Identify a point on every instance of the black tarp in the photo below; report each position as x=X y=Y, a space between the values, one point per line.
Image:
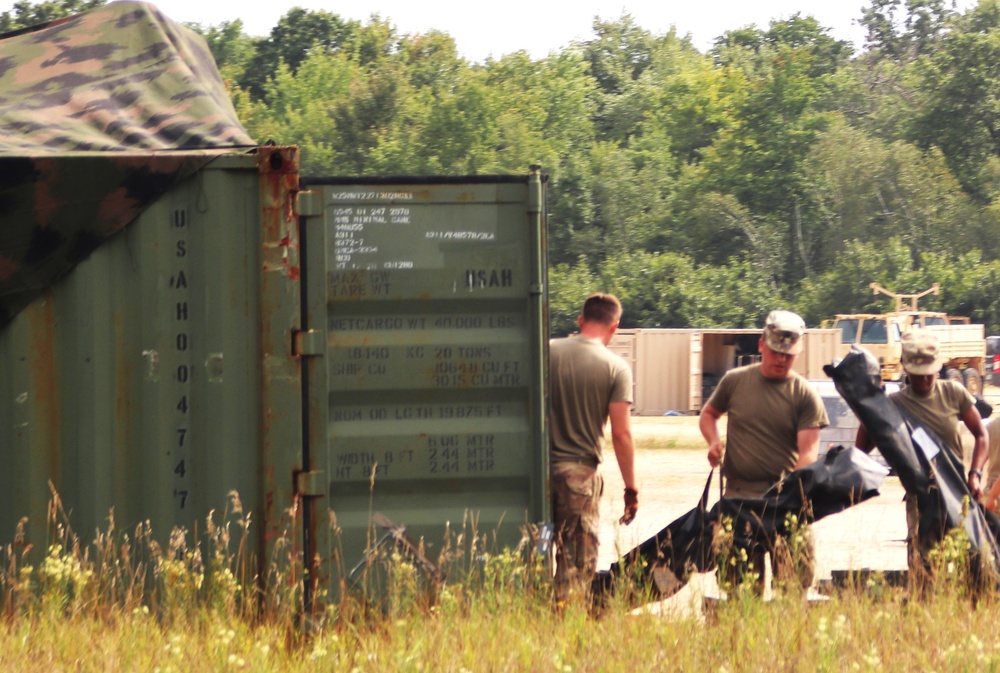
x=841 y=479
x=929 y=472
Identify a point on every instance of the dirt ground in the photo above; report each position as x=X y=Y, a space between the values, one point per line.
x=869 y=535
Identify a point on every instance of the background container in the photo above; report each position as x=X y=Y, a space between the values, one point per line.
x=677 y=369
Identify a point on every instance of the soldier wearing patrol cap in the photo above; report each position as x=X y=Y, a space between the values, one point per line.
x=774 y=418
x=939 y=405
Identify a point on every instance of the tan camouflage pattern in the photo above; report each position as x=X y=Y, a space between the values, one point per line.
x=576 y=494
x=119 y=77
x=100 y=114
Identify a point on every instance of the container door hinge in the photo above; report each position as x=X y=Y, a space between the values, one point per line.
x=310 y=484
x=310 y=342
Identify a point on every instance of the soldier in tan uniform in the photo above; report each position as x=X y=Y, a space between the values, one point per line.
x=939 y=405
x=589 y=385
x=774 y=419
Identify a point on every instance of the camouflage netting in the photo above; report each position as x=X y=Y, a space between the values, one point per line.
x=100 y=114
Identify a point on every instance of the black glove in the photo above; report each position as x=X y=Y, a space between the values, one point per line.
x=631 y=505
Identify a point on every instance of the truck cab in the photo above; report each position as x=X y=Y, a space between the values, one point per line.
x=879 y=334
x=882 y=334
x=962 y=344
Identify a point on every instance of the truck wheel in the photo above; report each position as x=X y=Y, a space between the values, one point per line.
x=973 y=382
x=952 y=375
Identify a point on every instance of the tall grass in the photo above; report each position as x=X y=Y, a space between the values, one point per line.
x=199 y=602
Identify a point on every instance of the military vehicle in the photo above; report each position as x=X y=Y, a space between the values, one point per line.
x=963 y=344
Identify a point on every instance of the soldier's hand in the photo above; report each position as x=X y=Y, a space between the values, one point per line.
x=631 y=506
x=975 y=487
x=715 y=453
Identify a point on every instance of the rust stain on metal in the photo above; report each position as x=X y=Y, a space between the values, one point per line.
x=279 y=182
x=279 y=185
x=8 y=267
x=123 y=379
x=44 y=390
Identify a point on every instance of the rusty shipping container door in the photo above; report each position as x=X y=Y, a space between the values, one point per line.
x=426 y=331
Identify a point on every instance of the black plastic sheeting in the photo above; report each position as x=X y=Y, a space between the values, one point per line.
x=928 y=471
x=843 y=478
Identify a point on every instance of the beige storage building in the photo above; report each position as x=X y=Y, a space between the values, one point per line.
x=677 y=369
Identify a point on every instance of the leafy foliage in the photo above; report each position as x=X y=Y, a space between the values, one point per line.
x=779 y=168
x=25 y=14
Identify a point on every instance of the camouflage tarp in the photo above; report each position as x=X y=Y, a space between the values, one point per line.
x=120 y=77
x=100 y=114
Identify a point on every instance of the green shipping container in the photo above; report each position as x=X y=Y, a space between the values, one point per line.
x=339 y=346
x=426 y=309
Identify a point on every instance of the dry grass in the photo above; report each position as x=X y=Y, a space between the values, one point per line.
x=127 y=603
x=132 y=601
x=666 y=432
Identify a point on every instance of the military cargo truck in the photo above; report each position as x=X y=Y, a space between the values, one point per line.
x=963 y=344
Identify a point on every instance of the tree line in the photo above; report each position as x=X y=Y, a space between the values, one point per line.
x=781 y=168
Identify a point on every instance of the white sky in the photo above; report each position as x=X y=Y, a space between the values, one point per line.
x=498 y=27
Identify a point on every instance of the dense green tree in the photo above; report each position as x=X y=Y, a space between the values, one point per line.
x=959 y=85
x=297 y=33
x=866 y=189
x=778 y=169
x=24 y=13
x=618 y=55
x=569 y=286
x=902 y=30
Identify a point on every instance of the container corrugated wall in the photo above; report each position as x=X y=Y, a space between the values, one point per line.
x=822 y=347
x=665 y=377
x=138 y=382
x=677 y=369
x=623 y=345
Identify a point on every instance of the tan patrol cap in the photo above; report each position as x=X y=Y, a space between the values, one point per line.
x=783 y=332
x=921 y=353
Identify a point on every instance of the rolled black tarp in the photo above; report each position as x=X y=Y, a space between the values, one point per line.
x=928 y=471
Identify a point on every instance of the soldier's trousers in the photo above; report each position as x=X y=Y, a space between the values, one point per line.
x=576 y=493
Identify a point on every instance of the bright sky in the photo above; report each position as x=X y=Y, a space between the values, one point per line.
x=500 y=27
